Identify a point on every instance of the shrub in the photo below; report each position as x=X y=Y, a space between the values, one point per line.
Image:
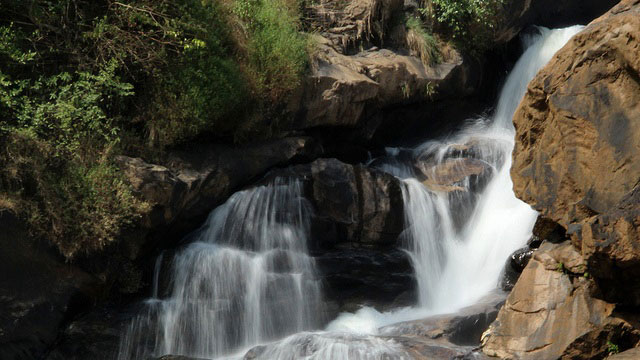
x=470 y=22
x=276 y=50
x=421 y=42
x=83 y=80
x=57 y=132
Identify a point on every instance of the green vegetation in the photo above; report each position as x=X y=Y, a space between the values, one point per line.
x=422 y=42
x=470 y=23
x=612 y=348
x=82 y=82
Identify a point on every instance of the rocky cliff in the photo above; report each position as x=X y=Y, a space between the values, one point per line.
x=577 y=161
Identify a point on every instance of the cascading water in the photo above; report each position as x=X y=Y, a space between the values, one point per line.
x=248 y=279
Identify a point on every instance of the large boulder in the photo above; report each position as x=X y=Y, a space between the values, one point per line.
x=365 y=203
x=551 y=314
x=577 y=156
x=348 y=91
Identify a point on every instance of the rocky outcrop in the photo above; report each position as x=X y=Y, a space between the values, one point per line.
x=350 y=90
x=195 y=180
x=551 y=314
x=577 y=162
x=577 y=157
x=361 y=65
x=366 y=204
x=353 y=204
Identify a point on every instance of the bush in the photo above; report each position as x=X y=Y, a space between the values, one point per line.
x=470 y=22
x=81 y=81
x=276 y=50
x=78 y=207
x=57 y=132
x=421 y=42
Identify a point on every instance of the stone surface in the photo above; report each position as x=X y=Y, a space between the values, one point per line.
x=382 y=279
x=195 y=180
x=353 y=204
x=578 y=127
x=514 y=266
x=577 y=157
x=349 y=90
x=38 y=291
x=631 y=354
x=550 y=313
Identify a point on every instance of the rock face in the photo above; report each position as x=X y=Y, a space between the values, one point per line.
x=37 y=291
x=578 y=148
x=362 y=65
x=366 y=204
x=550 y=313
x=196 y=180
x=577 y=161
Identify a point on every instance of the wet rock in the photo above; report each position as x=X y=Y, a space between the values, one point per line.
x=446 y=175
x=95 y=335
x=577 y=156
x=514 y=266
x=353 y=204
x=463 y=328
x=38 y=291
x=357 y=277
x=551 y=293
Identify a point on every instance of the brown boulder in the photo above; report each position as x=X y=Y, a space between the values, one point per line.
x=550 y=313
x=349 y=91
x=577 y=156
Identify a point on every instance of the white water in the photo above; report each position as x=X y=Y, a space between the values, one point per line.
x=248 y=280
x=456 y=264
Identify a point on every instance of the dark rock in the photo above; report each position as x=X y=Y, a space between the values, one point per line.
x=353 y=204
x=38 y=292
x=514 y=266
x=95 y=335
x=356 y=277
x=546 y=229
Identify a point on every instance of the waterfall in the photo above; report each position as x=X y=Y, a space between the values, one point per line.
x=247 y=279
x=459 y=237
